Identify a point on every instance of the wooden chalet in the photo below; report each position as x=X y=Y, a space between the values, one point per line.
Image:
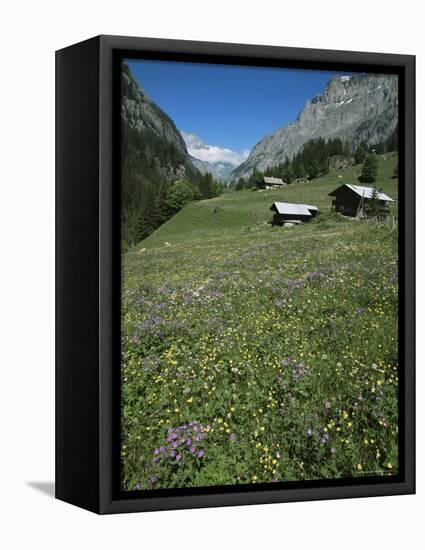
x=352 y=200
x=267 y=182
x=287 y=213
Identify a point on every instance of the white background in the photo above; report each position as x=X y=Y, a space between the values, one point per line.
x=30 y=32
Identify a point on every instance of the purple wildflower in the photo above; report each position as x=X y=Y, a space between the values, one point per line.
x=299 y=370
x=232 y=437
x=180 y=440
x=324 y=439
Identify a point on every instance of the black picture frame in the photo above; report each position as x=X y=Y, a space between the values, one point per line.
x=88 y=272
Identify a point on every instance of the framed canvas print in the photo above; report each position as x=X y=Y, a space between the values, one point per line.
x=235 y=274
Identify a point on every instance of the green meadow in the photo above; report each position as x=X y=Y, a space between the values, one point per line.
x=255 y=354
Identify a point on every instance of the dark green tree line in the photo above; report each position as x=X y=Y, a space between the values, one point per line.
x=150 y=168
x=370 y=169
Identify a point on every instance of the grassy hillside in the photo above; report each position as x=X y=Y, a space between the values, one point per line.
x=254 y=354
x=242 y=210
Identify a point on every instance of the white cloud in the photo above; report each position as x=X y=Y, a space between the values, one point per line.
x=212 y=153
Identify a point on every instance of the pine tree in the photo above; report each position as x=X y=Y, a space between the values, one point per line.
x=288 y=172
x=300 y=170
x=149 y=215
x=370 y=169
x=361 y=153
x=313 y=170
x=162 y=204
x=373 y=207
x=240 y=184
x=255 y=178
x=206 y=186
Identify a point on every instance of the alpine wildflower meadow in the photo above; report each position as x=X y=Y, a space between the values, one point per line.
x=259 y=354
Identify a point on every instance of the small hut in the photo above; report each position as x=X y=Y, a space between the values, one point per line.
x=287 y=213
x=353 y=200
x=267 y=182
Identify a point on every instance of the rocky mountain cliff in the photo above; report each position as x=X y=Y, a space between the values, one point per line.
x=220 y=170
x=154 y=156
x=141 y=113
x=356 y=108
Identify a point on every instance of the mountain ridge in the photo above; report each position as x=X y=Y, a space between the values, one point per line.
x=358 y=108
x=140 y=112
x=154 y=156
x=219 y=170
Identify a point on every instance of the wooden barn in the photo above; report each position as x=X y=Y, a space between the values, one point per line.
x=267 y=182
x=287 y=213
x=352 y=200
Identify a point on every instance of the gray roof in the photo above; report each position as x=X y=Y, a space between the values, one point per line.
x=293 y=209
x=366 y=192
x=273 y=181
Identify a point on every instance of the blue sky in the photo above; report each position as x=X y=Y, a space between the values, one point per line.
x=228 y=106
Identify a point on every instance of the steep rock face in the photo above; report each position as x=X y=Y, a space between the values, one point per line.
x=141 y=113
x=220 y=170
x=153 y=157
x=356 y=108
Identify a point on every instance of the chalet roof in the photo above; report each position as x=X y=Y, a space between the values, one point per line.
x=292 y=208
x=273 y=181
x=365 y=192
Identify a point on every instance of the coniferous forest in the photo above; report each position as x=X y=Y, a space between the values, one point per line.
x=312 y=161
x=157 y=180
